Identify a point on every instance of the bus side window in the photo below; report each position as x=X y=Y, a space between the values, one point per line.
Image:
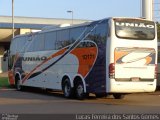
x=99 y=34
x=30 y=46
x=62 y=39
x=39 y=42
x=108 y=30
x=21 y=41
x=75 y=33
x=50 y=39
x=13 y=46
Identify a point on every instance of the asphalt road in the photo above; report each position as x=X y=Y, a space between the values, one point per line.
x=35 y=102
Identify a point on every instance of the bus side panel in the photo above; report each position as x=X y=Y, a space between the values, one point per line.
x=96 y=79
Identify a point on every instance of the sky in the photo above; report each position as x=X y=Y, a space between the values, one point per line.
x=82 y=9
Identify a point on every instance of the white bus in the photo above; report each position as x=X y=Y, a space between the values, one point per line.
x=109 y=56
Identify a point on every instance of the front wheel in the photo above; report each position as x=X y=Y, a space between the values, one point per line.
x=118 y=96
x=18 y=85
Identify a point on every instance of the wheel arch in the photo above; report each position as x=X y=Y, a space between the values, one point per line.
x=64 y=78
x=80 y=78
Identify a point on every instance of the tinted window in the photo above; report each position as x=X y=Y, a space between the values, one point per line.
x=99 y=33
x=50 y=39
x=38 y=42
x=135 y=29
x=62 y=39
x=75 y=33
x=21 y=44
x=30 y=46
x=13 y=46
x=18 y=44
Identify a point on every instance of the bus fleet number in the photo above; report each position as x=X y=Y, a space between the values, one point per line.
x=88 y=57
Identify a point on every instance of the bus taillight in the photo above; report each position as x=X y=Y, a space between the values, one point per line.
x=111 y=70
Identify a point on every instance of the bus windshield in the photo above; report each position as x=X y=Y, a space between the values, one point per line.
x=134 y=29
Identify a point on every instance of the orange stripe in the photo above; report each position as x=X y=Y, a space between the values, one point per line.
x=49 y=58
x=86 y=57
x=148 y=60
x=118 y=55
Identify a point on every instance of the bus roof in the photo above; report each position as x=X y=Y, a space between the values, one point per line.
x=58 y=27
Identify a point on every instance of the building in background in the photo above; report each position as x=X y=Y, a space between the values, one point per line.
x=24 y=25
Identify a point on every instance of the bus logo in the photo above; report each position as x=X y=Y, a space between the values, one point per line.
x=140 y=25
x=43 y=58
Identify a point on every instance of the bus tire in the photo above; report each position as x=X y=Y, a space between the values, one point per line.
x=118 y=96
x=18 y=84
x=67 y=89
x=79 y=90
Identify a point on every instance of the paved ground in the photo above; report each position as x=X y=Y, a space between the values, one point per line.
x=29 y=102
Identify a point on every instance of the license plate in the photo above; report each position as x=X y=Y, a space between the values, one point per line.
x=135 y=79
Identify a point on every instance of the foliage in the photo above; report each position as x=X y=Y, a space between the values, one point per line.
x=4 y=82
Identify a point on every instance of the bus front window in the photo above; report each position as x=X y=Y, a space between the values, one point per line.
x=134 y=29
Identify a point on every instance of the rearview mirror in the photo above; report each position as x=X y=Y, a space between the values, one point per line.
x=5 y=55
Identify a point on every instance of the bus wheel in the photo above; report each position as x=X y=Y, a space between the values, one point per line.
x=79 y=89
x=118 y=96
x=67 y=89
x=18 y=84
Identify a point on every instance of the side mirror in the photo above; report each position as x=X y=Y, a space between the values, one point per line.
x=5 y=55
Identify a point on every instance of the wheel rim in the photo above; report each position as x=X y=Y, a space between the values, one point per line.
x=79 y=90
x=18 y=85
x=67 y=90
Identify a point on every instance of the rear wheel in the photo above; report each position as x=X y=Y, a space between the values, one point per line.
x=118 y=96
x=79 y=89
x=67 y=89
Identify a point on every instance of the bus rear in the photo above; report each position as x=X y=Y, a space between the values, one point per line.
x=133 y=53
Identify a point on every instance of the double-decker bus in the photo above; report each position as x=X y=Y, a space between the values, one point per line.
x=109 y=56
